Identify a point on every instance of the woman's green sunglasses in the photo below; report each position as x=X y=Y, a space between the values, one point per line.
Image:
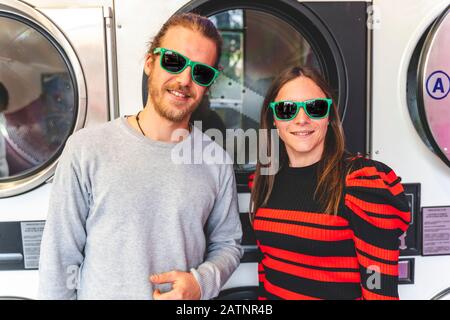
x=315 y=108
x=174 y=62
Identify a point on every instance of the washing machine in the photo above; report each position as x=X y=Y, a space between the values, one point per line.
x=261 y=37
x=410 y=128
x=57 y=75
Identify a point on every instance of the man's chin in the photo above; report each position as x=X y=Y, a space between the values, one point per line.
x=173 y=117
x=174 y=111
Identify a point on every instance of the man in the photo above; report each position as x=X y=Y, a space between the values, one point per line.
x=122 y=210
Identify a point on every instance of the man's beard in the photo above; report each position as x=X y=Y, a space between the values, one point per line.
x=176 y=116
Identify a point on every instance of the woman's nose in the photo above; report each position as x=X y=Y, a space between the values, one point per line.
x=301 y=117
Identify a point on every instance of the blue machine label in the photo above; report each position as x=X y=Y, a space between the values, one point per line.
x=438 y=85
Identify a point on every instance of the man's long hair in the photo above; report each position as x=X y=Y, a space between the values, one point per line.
x=191 y=21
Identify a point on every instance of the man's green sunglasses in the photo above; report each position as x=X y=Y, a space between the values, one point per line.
x=174 y=62
x=287 y=110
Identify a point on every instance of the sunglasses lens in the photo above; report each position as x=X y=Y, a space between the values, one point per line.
x=317 y=108
x=203 y=74
x=285 y=110
x=172 y=61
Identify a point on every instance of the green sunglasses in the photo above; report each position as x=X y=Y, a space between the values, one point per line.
x=174 y=62
x=315 y=108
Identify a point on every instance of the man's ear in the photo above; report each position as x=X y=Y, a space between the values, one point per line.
x=148 y=66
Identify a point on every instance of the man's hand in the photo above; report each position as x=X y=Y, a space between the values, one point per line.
x=184 y=286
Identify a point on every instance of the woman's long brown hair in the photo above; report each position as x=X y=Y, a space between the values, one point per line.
x=333 y=163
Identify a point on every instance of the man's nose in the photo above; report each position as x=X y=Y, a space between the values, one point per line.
x=184 y=78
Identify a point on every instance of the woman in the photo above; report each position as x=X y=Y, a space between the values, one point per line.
x=327 y=224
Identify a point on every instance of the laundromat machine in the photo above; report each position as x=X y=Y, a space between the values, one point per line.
x=57 y=73
x=386 y=70
x=410 y=131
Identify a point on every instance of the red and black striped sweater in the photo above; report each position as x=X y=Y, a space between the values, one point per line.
x=353 y=255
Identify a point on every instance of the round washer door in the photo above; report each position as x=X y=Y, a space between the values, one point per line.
x=443 y=295
x=428 y=87
x=434 y=86
x=42 y=97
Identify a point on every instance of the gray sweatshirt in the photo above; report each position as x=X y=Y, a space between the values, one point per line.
x=121 y=209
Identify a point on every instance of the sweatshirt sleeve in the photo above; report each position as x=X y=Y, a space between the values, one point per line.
x=379 y=214
x=223 y=232
x=64 y=235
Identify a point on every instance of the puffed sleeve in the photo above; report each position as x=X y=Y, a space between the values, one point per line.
x=378 y=213
x=261 y=280
x=261 y=270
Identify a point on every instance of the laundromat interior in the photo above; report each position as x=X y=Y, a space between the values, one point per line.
x=71 y=64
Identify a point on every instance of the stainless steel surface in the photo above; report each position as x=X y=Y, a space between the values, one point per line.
x=372 y=14
x=443 y=295
x=10 y=258
x=88 y=39
x=112 y=63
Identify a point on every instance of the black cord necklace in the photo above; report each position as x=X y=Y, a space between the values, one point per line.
x=137 y=120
